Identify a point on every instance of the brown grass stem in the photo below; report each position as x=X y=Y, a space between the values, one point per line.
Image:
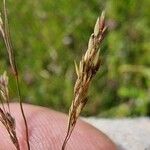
x=22 y=112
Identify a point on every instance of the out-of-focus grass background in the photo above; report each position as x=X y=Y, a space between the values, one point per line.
x=49 y=35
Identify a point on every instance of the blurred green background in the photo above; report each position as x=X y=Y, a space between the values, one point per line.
x=49 y=35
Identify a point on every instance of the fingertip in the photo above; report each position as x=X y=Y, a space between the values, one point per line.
x=47 y=129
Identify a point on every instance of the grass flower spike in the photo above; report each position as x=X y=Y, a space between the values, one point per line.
x=5 y=116
x=86 y=70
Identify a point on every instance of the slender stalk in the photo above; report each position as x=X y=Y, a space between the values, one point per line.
x=22 y=111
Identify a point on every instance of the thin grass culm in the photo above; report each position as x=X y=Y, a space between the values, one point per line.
x=5 y=116
x=86 y=70
x=4 y=30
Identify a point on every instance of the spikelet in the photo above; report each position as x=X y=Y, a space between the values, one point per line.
x=86 y=70
x=5 y=116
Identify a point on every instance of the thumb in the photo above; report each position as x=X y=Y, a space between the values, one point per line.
x=47 y=129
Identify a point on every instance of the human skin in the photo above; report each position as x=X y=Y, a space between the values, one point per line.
x=47 y=129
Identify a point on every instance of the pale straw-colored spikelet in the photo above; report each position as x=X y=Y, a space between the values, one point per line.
x=86 y=70
x=4 y=30
x=1 y=26
x=5 y=116
x=4 y=87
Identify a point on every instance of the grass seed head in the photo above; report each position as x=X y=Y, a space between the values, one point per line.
x=86 y=70
x=5 y=116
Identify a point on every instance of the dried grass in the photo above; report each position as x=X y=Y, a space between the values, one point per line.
x=5 y=116
x=4 y=30
x=86 y=70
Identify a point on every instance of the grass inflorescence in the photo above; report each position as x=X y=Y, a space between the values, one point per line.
x=86 y=70
x=4 y=30
x=5 y=115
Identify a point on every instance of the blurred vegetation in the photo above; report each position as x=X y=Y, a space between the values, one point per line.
x=49 y=35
